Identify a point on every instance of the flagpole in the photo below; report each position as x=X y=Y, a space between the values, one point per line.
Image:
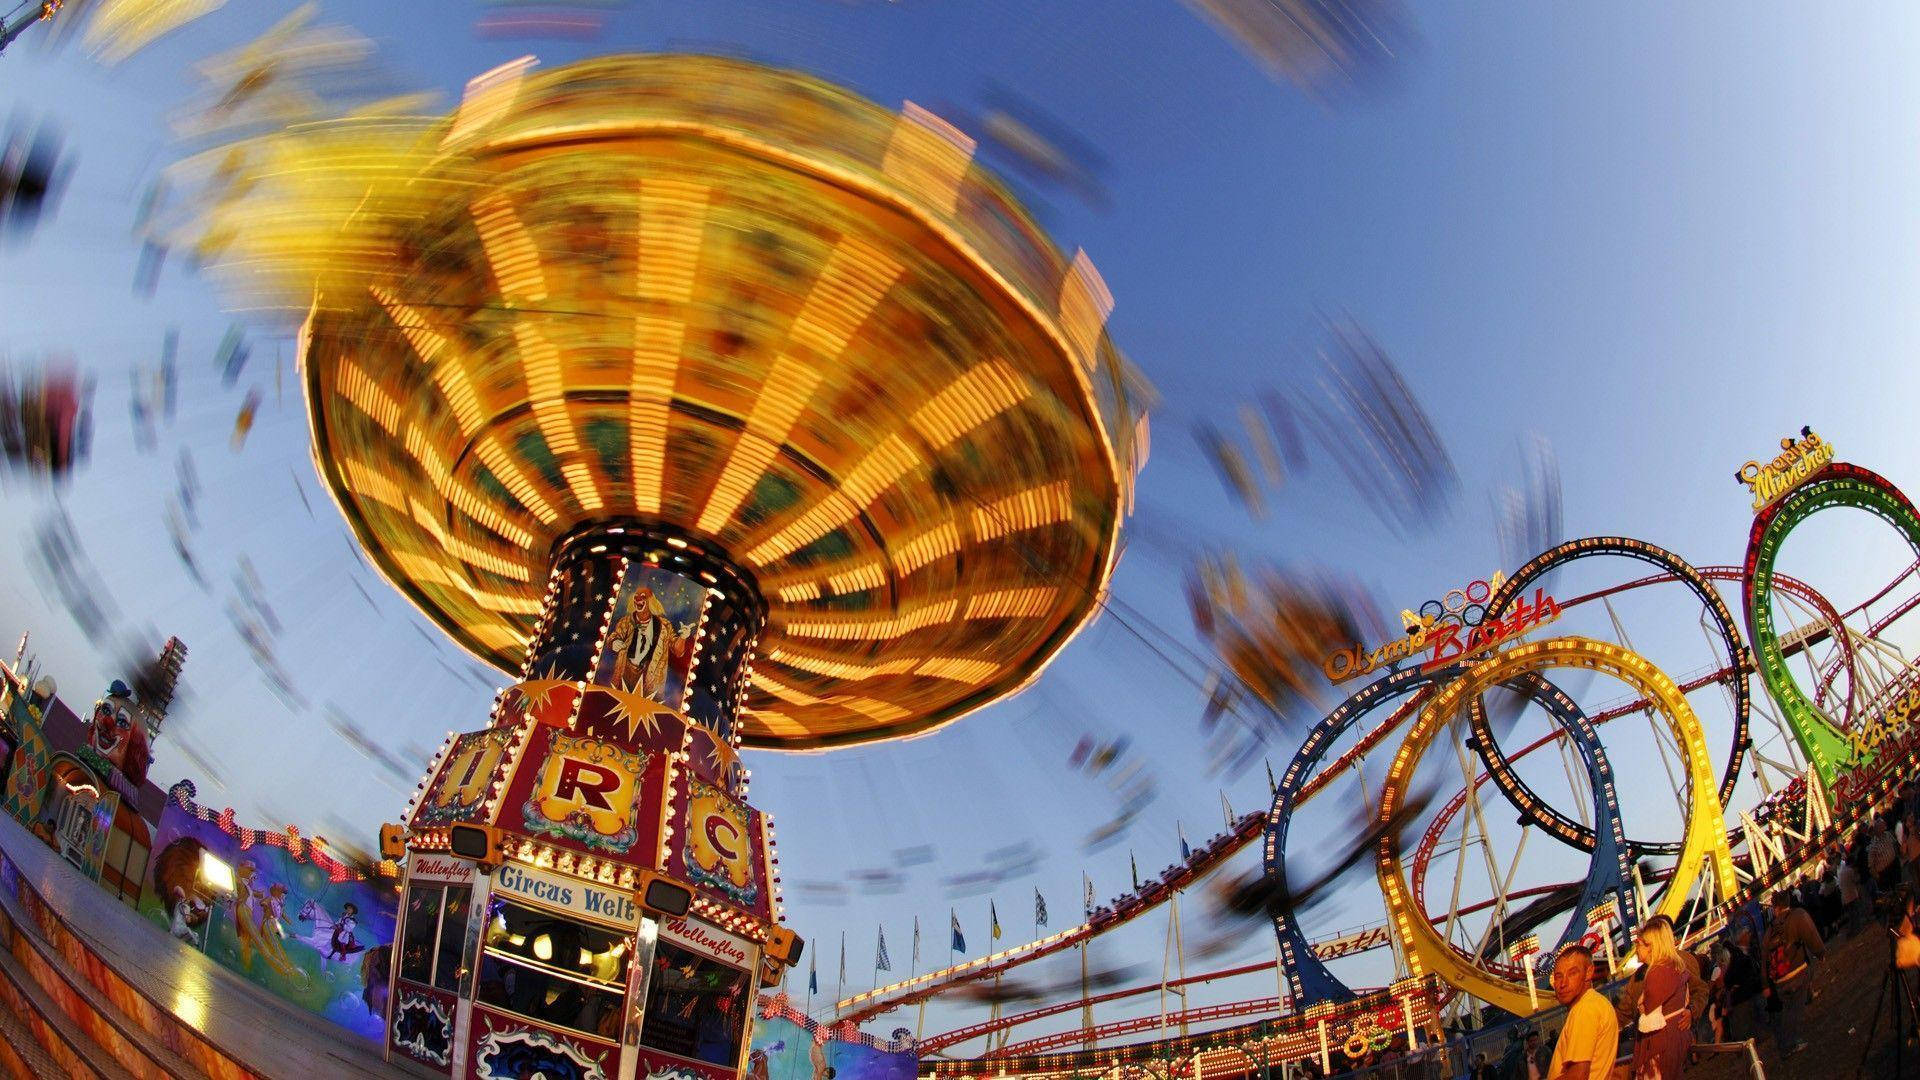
x=1086 y=1001
x=993 y=936
x=919 y=1025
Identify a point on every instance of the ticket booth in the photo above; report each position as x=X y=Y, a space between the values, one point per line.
x=543 y=956
x=588 y=895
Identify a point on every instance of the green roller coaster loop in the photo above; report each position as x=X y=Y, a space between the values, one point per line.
x=1839 y=484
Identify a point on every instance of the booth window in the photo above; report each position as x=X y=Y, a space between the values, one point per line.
x=554 y=969
x=430 y=951
x=695 y=1006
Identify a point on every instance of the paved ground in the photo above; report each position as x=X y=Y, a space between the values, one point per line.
x=271 y=1036
x=1845 y=988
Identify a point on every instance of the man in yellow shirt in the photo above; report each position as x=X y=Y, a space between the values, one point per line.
x=1590 y=1039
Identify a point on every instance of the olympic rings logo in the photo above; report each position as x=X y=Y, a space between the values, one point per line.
x=1466 y=605
x=1366 y=1038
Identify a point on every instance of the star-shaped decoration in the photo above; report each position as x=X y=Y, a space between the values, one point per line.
x=637 y=712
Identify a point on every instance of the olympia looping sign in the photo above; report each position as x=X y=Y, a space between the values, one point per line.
x=1444 y=642
x=1798 y=460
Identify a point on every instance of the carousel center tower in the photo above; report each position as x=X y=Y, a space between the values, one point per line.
x=721 y=407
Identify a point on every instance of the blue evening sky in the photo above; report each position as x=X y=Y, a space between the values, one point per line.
x=1661 y=237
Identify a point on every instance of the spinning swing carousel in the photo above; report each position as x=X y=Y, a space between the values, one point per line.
x=726 y=410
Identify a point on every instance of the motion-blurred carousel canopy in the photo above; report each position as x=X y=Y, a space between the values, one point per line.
x=737 y=301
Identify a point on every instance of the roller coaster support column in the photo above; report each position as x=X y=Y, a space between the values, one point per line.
x=1086 y=1003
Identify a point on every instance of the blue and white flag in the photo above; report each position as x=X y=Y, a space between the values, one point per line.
x=881 y=961
x=959 y=939
x=813 y=975
x=1039 y=909
x=1186 y=853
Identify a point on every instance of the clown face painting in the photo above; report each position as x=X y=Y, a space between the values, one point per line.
x=117 y=733
x=649 y=647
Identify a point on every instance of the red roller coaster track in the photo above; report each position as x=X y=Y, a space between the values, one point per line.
x=1251 y=826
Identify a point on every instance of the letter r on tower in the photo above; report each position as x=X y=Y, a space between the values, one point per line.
x=585 y=782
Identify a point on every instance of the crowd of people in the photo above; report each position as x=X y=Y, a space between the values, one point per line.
x=1753 y=982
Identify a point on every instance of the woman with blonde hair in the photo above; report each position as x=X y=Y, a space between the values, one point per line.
x=1665 y=1022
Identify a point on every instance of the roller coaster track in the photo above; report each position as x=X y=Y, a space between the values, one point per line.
x=991 y=1027
x=1248 y=829
x=1137 y=1024
x=1545 y=900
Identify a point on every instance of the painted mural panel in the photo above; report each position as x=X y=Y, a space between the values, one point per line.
x=787 y=1046
x=285 y=924
x=32 y=767
x=422 y=1025
x=502 y=1047
x=720 y=848
x=586 y=791
x=460 y=788
x=649 y=647
x=588 y=795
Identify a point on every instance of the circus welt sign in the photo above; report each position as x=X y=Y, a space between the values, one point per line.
x=567 y=893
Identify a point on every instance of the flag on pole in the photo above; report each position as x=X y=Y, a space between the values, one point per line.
x=1089 y=884
x=1186 y=853
x=881 y=961
x=1039 y=910
x=959 y=939
x=1273 y=789
x=1226 y=808
x=916 y=943
x=993 y=919
x=813 y=974
x=1136 y=870
x=843 y=958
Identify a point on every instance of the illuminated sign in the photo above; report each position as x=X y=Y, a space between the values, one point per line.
x=439 y=869
x=567 y=894
x=705 y=939
x=1799 y=459
x=1443 y=642
x=586 y=792
x=1890 y=724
